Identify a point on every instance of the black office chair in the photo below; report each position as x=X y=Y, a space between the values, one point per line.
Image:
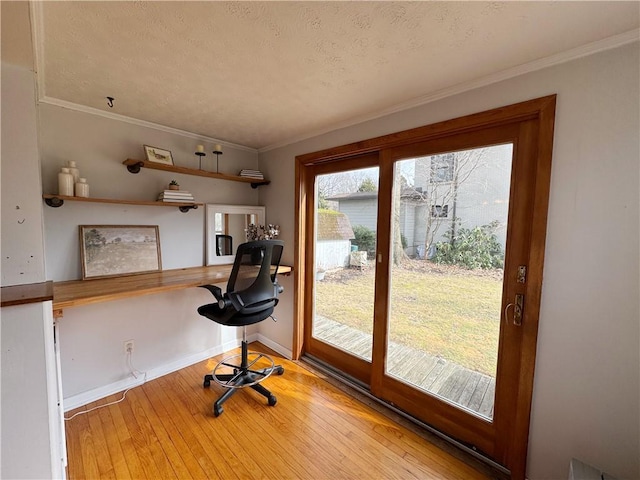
x=252 y=293
x=224 y=245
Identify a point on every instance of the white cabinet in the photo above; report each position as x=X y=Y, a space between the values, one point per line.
x=32 y=439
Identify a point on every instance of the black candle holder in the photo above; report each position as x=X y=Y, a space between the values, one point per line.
x=200 y=155
x=217 y=153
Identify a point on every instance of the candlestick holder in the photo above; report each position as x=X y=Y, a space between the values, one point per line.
x=217 y=152
x=200 y=155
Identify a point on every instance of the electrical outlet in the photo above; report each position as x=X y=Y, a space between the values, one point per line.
x=128 y=346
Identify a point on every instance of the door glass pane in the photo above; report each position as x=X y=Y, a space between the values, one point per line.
x=345 y=244
x=448 y=234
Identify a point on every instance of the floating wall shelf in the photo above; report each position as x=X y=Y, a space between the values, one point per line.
x=58 y=200
x=134 y=166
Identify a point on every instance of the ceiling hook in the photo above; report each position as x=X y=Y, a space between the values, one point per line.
x=110 y=101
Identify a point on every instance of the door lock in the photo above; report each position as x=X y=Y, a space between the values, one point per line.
x=518 y=309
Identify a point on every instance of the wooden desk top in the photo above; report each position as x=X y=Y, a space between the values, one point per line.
x=30 y=293
x=84 y=292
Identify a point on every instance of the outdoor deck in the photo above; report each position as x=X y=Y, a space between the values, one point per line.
x=466 y=388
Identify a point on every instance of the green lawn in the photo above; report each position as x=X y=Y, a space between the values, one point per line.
x=450 y=312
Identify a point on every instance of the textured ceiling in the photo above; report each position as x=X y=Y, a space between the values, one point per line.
x=261 y=73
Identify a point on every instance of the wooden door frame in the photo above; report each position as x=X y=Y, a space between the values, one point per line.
x=542 y=112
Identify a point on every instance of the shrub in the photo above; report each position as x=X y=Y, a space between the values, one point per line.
x=365 y=240
x=473 y=248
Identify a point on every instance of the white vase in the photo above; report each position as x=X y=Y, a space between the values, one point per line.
x=82 y=188
x=65 y=182
x=73 y=170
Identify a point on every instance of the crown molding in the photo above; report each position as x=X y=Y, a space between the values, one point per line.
x=37 y=42
x=141 y=123
x=557 y=59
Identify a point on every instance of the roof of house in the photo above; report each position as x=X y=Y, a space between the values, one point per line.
x=333 y=225
x=407 y=193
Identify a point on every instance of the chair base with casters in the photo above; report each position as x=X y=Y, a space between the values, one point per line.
x=243 y=375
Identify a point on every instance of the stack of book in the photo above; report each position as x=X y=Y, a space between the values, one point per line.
x=248 y=173
x=176 y=196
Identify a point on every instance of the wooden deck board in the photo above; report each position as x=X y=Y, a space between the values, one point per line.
x=465 y=387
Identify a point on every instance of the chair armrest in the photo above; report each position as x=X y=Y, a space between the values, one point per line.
x=216 y=291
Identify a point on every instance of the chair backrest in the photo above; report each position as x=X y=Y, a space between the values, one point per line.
x=224 y=245
x=253 y=284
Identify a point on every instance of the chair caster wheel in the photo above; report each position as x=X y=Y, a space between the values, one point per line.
x=279 y=370
x=217 y=410
x=207 y=381
x=272 y=400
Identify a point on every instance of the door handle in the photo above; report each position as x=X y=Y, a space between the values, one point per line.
x=518 y=309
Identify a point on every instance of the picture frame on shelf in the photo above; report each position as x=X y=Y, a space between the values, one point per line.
x=158 y=155
x=113 y=250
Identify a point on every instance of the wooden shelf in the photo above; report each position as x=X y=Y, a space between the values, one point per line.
x=134 y=166
x=85 y=292
x=58 y=200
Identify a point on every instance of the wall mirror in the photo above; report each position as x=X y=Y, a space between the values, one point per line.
x=225 y=229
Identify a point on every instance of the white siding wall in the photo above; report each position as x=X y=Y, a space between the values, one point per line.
x=332 y=254
x=361 y=212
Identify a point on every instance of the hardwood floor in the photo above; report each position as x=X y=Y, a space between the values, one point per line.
x=166 y=429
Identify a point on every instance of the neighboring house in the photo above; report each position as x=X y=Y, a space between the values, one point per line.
x=333 y=240
x=471 y=187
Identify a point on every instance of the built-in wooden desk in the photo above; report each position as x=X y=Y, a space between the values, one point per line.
x=84 y=292
x=29 y=293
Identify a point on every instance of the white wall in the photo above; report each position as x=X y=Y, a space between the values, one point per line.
x=167 y=330
x=586 y=394
x=28 y=394
x=22 y=242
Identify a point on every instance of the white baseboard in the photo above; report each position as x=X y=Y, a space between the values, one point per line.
x=89 y=396
x=285 y=352
x=75 y=401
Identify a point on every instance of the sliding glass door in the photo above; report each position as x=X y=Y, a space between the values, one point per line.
x=344 y=267
x=422 y=263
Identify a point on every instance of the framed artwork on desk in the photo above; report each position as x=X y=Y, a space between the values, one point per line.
x=113 y=250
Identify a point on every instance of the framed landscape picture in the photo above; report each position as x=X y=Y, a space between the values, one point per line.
x=158 y=155
x=113 y=250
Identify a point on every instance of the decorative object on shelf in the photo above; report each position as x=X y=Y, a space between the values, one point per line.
x=112 y=250
x=255 y=232
x=73 y=170
x=200 y=153
x=248 y=173
x=174 y=185
x=176 y=196
x=217 y=151
x=82 y=188
x=158 y=155
x=65 y=182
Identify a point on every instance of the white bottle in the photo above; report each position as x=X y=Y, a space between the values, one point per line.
x=73 y=170
x=82 y=188
x=65 y=182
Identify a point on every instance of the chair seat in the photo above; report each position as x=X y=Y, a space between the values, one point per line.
x=230 y=317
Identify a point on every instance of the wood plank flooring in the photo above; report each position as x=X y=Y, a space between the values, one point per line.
x=466 y=388
x=166 y=429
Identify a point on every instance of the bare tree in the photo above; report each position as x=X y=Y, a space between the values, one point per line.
x=398 y=251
